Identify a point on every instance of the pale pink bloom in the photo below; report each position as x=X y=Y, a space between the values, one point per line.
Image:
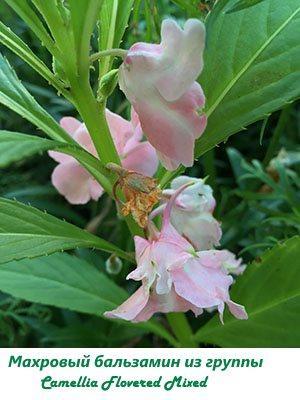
x=192 y=213
x=175 y=277
x=75 y=183
x=160 y=82
x=232 y=264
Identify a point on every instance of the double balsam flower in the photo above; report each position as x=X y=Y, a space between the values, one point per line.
x=159 y=81
x=176 y=277
x=178 y=266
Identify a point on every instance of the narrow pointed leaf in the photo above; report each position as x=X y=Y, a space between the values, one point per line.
x=61 y=280
x=16 y=146
x=66 y=281
x=28 y=14
x=14 y=96
x=113 y=21
x=16 y=45
x=26 y=232
x=84 y=14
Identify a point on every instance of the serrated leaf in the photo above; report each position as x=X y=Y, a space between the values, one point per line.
x=28 y=14
x=17 y=146
x=14 y=96
x=84 y=15
x=26 y=232
x=270 y=291
x=251 y=66
x=66 y=281
x=114 y=16
x=15 y=44
x=61 y=280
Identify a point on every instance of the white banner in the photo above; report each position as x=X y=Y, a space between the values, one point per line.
x=141 y=374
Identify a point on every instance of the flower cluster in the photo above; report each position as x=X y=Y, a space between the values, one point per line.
x=178 y=265
x=175 y=275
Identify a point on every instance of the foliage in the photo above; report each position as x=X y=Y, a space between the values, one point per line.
x=59 y=299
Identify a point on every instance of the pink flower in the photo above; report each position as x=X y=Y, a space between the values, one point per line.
x=175 y=277
x=192 y=213
x=75 y=183
x=159 y=81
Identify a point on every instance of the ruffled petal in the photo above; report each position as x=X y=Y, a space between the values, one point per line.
x=132 y=306
x=169 y=302
x=182 y=59
x=199 y=285
x=169 y=129
x=158 y=80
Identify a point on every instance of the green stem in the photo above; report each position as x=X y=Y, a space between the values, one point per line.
x=181 y=329
x=274 y=142
x=107 y=53
x=93 y=114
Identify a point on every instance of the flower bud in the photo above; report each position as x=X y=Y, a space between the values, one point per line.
x=108 y=83
x=113 y=265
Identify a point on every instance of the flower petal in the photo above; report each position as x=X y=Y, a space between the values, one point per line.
x=173 y=127
x=121 y=130
x=142 y=159
x=95 y=189
x=182 y=60
x=132 y=306
x=72 y=181
x=199 y=285
x=165 y=303
x=70 y=125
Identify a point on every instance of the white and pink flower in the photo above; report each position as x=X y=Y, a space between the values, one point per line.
x=176 y=277
x=192 y=212
x=160 y=82
x=75 y=183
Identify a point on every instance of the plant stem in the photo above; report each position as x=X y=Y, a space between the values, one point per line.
x=108 y=53
x=93 y=114
x=208 y=160
x=181 y=329
x=273 y=145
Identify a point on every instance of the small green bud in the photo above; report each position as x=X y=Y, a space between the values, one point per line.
x=113 y=265
x=108 y=83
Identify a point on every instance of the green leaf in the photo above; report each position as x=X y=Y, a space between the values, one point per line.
x=242 y=4
x=188 y=5
x=28 y=232
x=252 y=66
x=270 y=291
x=61 y=280
x=27 y=13
x=14 y=96
x=66 y=281
x=17 y=146
x=114 y=16
x=15 y=44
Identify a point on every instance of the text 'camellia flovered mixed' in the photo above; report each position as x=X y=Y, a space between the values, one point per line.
x=178 y=264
